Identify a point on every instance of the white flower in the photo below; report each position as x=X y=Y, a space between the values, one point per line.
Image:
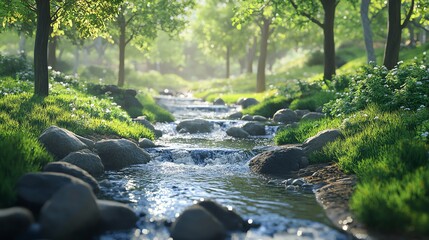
x=376 y=118
x=425 y=134
x=419 y=83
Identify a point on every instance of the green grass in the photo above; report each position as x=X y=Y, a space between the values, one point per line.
x=23 y=117
x=385 y=151
x=152 y=110
x=312 y=102
x=305 y=130
x=268 y=107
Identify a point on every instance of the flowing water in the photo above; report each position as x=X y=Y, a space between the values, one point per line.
x=190 y=167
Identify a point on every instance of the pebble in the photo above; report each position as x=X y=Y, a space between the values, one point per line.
x=298 y=182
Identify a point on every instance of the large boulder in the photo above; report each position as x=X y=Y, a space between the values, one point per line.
x=317 y=142
x=195 y=126
x=71 y=213
x=116 y=216
x=60 y=142
x=86 y=160
x=229 y=219
x=311 y=116
x=237 y=132
x=72 y=170
x=14 y=221
x=247 y=117
x=285 y=116
x=119 y=153
x=278 y=162
x=196 y=223
x=254 y=129
x=247 y=102
x=34 y=189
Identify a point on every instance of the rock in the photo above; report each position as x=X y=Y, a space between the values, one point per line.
x=87 y=141
x=278 y=162
x=285 y=116
x=142 y=120
x=247 y=102
x=129 y=102
x=116 y=216
x=291 y=188
x=158 y=133
x=146 y=143
x=254 y=129
x=298 y=182
x=317 y=142
x=237 y=132
x=240 y=101
x=247 y=117
x=288 y=181
x=230 y=219
x=195 y=126
x=312 y=116
x=60 y=142
x=196 y=223
x=71 y=213
x=304 y=162
x=14 y=221
x=130 y=92
x=34 y=189
x=72 y=170
x=86 y=160
x=237 y=115
x=119 y=153
x=259 y=118
x=319 y=109
x=218 y=101
x=301 y=113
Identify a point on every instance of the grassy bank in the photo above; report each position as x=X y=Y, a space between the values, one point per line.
x=384 y=116
x=23 y=117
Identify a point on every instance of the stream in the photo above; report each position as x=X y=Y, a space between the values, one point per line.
x=190 y=167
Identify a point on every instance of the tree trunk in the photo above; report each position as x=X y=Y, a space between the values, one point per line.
x=412 y=42
x=251 y=55
x=260 y=75
x=367 y=31
x=329 y=42
x=228 y=55
x=41 y=83
x=122 y=45
x=22 y=40
x=52 y=49
x=76 y=60
x=393 y=44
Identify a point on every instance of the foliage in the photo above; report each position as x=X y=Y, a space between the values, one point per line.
x=20 y=153
x=268 y=107
x=13 y=66
x=404 y=87
x=156 y=81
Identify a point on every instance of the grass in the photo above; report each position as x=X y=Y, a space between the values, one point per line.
x=268 y=107
x=152 y=110
x=23 y=117
x=313 y=101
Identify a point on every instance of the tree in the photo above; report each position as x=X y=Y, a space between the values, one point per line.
x=140 y=21
x=311 y=9
x=87 y=16
x=367 y=32
x=263 y=13
x=393 y=43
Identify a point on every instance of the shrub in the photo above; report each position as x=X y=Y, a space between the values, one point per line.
x=12 y=66
x=315 y=58
x=404 y=87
